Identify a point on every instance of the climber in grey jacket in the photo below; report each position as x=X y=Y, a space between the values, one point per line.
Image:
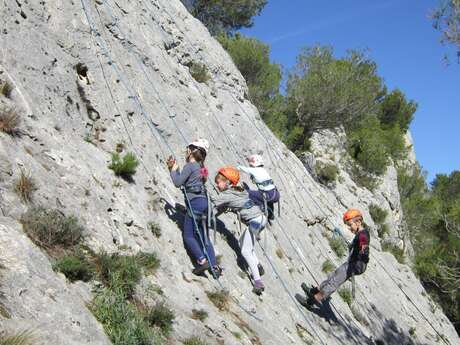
x=235 y=199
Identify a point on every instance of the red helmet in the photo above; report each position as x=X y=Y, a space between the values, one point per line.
x=352 y=213
x=230 y=173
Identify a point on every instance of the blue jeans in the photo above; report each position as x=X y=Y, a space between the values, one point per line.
x=190 y=236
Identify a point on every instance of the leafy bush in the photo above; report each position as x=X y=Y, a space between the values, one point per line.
x=396 y=110
x=160 y=316
x=328 y=266
x=155 y=229
x=363 y=178
x=378 y=214
x=326 y=172
x=9 y=122
x=199 y=72
x=383 y=230
x=25 y=186
x=122 y=321
x=20 y=338
x=51 y=229
x=75 y=267
x=338 y=246
x=220 y=298
x=124 y=167
x=346 y=295
x=6 y=88
x=397 y=252
x=194 y=341
x=366 y=146
x=199 y=314
x=225 y=16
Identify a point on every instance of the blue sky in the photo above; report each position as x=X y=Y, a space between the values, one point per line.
x=404 y=45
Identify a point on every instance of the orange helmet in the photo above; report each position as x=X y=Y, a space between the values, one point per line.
x=230 y=173
x=352 y=213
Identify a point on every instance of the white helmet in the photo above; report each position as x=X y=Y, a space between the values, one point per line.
x=200 y=143
x=255 y=160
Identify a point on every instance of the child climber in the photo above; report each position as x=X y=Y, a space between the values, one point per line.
x=235 y=199
x=192 y=180
x=267 y=192
x=355 y=265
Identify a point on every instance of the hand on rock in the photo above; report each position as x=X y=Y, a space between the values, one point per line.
x=171 y=163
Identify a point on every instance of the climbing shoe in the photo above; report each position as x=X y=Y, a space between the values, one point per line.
x=306 y=302
x=261 y=269
x=200 y=269
x=217 y=271
x=258 y=287
x=309 y=291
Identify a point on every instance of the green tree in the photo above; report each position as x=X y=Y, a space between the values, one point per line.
x=433 y=221
x=252 y=57
x=223 y=15
x=325 y=92
x=446 y=19
x=396 y=110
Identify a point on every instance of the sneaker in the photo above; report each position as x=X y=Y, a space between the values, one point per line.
x=200 y=269
x=258 y=287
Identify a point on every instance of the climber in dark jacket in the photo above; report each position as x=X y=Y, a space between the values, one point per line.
x=192 y=179
x=355 y=265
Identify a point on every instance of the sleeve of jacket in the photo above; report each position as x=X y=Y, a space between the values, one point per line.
x=179 y=178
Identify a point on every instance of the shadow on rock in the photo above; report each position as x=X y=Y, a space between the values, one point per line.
x=393 y=335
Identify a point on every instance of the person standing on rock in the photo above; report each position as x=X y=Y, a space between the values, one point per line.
x=233 y=198
x=192 y=181
x=355 y=265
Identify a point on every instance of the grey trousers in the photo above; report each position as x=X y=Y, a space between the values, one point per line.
x=340 y=276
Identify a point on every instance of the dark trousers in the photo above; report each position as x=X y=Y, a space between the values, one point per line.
x=190 y=236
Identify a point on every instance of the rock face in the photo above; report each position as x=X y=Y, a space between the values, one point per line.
x=91 y=75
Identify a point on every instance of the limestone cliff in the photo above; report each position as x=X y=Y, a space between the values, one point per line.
x=88 y=75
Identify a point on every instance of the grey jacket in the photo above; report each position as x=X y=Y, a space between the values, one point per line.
x=236 y=201
x=190 y=177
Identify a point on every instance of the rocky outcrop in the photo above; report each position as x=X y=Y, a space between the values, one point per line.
x=89 y=76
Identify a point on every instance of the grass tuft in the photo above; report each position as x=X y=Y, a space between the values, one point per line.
x=200 y=72
x=346 y=295
x=160 y=316
x=199 y=314
x=9 y=122
x=220 y=299
x=20 y=338
x=194 y=341
x=328 y=266
x=122 y=321
x=25 y=187
x=338 y=246
x=6 y=88
x=155 y=229
x=75 y=267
